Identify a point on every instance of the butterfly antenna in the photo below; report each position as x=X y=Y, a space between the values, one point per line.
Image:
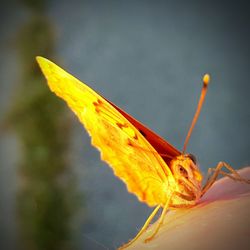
x=206 y=80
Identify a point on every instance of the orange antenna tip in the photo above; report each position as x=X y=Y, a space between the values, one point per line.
x=206 y=79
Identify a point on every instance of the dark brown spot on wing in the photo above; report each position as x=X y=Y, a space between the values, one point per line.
x=135 y=137
x=130 y=143
x=142 y=133
x=126 y=128
x=97 y=104
x=121 y=126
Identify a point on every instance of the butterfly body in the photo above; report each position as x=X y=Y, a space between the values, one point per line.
x=188 y=177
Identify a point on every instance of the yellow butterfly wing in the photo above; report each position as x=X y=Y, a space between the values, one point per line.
x=122 y=146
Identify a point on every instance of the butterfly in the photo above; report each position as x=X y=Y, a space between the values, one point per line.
x=152 y=169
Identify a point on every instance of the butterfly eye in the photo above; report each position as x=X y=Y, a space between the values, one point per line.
x=183 y=171
x=193 y=158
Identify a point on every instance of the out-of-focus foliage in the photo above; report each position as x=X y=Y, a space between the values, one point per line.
x=46 y=197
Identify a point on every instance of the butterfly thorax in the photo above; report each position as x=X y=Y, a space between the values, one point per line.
x=188 y=178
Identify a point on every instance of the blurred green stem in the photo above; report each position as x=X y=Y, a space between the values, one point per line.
x=46 y=200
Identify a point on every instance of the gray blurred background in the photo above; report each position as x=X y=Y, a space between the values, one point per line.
x=148 y=57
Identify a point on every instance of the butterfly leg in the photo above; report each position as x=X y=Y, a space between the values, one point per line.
x=217 y=170
x=143 y=229
x=161 y=219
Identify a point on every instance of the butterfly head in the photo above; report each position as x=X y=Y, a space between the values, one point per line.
x=187 y=175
